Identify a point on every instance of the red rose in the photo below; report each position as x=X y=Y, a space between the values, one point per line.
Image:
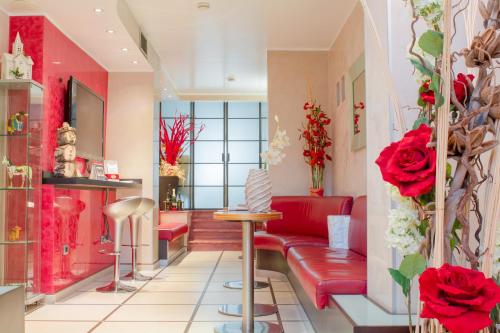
x=409 y=164
x=461 y=85
x=460 y=298
x=426 y=94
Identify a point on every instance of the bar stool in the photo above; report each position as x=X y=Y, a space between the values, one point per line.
x=119 y=211
x=145 y=206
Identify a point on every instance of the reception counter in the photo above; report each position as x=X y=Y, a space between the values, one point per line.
x=75 y=232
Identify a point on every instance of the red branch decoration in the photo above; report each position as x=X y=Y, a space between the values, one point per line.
x=316 y=138
x=175 y=138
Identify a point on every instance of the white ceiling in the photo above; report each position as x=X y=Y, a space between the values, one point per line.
x=77 y=19
x=199 y=49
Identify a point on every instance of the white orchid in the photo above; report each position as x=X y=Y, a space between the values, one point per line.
x=280 y=141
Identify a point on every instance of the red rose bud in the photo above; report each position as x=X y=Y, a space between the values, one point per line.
x=461 y=85
x=459 y=298
x=409 y=164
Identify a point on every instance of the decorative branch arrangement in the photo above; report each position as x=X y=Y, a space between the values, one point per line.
x=316 y=141
x=438 y=168
x=174 y=140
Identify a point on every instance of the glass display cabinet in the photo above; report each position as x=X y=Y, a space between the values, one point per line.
x=21 y=115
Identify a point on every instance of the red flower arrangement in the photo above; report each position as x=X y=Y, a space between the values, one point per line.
x=459 y=298
x=409 y=164
x=173 y=144
x=316 y=138
x=460 y=85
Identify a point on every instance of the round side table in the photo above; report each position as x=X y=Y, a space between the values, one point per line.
x=248 y=306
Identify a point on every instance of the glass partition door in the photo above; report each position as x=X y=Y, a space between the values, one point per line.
x=217 y=164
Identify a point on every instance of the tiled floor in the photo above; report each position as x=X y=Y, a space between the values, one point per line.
x=182 y=298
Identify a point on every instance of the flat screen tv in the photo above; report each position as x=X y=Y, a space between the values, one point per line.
x=85 y=112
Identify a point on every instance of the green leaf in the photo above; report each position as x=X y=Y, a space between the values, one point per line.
x=435 y=86
x=426 y=70
x=401 y=280
x=431 y=42
x=420 y=120
x=412 y=265
x=422 y=227
x=448 y=170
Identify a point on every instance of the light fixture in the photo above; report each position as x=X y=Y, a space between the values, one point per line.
x=135 y=62
x=169 y=96
x=165 y=89
x=124 y=49
x=98 y=10
x=56 y=62
x=110 y=31
x=231 y=78
x=203 y=5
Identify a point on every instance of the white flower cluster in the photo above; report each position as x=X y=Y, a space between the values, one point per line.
x=275 y=154
x=402 y=233
x=430 y=10
x=167 y=169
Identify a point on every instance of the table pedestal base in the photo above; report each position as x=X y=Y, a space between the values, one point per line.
x=236 y=310
x=259 y=327
x=239 y=284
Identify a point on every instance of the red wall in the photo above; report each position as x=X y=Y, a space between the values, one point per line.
x=46 y=44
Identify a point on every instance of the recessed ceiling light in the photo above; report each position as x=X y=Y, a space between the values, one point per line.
x=56 y=62
x=98 y=10
x=231 y=78
x=169 y=96
x=124 y=49
x=203 y=5
x=110 y=31
x=135 y=62
x=165 y=89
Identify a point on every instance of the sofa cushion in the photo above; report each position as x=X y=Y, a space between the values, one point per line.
x=357 y=226
x=172 y=230
x=323 y=277
x=298 y=253
x=305 y=215
x=283 y=242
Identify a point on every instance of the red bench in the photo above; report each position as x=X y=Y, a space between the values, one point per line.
x=321 y=271
x=171 y=231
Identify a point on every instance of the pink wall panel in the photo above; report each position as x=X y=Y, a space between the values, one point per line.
x=57 y=58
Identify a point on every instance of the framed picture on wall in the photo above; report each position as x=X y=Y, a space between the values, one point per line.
x=357 y=100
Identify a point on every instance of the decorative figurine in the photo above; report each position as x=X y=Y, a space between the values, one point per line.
x=65 y=153
x=12 y=170
x=15 y=233
x=16 y=122
x=17 y=65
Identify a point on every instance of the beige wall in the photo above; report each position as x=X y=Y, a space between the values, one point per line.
x=129 y=141
x=349 y=167
x=288 y=73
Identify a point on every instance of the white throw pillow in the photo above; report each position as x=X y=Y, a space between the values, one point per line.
x=338 y=231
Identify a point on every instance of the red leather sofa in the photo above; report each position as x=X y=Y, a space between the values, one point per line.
x=304 y=222
x=321 y=271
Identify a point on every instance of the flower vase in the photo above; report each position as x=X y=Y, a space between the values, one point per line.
x=258 y=191
x=316 y=192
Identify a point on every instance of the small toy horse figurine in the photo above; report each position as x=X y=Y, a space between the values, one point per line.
x=23 y=170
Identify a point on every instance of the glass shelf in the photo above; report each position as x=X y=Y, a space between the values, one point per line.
x=21 y=204
x=22 y=242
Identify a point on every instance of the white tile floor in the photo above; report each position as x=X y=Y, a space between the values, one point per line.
x=182 y=298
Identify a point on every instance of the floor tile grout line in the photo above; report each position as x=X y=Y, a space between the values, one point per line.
x=278 y=315
x=128 y=298
x=195 y=311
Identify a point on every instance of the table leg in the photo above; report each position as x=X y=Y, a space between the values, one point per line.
x=247 y=291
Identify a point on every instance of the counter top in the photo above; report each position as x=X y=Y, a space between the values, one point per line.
x=80 y=183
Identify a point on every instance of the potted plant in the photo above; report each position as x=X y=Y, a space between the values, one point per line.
x=316 y=141
x=174 y=139
x=258 y=186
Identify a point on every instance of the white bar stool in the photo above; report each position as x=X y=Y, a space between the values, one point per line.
x=119 y=211
x=145 y=206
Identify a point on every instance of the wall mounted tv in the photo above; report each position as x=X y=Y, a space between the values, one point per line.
x=85 y=112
